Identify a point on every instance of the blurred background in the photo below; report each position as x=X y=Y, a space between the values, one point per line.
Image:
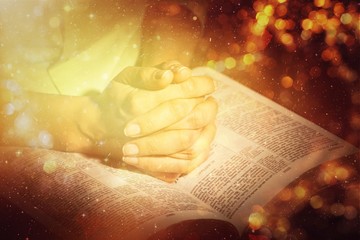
x=304 y=55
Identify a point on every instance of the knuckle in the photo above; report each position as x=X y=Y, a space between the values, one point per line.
x=186 y=138
x=177 y=109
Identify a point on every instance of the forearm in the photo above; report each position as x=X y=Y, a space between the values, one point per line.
x=42 y=120
x=170 y=31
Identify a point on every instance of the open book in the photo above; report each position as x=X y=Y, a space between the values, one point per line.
x=259 y=149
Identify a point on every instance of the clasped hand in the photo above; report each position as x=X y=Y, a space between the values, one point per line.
x=161 y=116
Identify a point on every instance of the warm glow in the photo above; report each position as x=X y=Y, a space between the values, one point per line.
x=269 y=10
x=280 y=24
x=319 y=3
x=256 y=220
x=248 y=59
x=287 y=39
x=346 y=18
x=307 y=24
x=339 y=9
x=262 y=19
x=230 y=63
x=287 y=82
x=281 y=10
x=251 y=47
x=316 y=202
x=300 y=192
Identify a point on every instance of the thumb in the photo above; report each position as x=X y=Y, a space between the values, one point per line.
x=148 y=78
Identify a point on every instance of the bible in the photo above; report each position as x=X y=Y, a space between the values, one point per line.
x=259 y=149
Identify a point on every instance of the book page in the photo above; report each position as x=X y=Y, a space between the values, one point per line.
x=81 y=198
x=260 y=148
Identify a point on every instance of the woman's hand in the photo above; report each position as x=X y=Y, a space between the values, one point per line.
x=166 y=130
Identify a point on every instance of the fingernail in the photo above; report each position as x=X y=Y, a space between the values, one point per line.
x=130 y=149
x=132 y=129
x=131 y=160
x=163 y=74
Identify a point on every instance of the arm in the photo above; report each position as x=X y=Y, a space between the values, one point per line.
x=99 y=125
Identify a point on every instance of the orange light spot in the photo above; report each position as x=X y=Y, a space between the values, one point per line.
x=342 y=173
x=281 y=10
x=300 y=192
x=290 y=24
x=306 y=35
x=319 y=3
x=258 y=6
x=248 y=59
x=251 y=47
x=280 y=24
x=287 y=39
x=328 y=54
x=287 y=82
x=339 y=9
x=321 y=17
x=307 y=24
x=346 y=18
x=262 y=19
x=316 y=202
x=269 y=10
x=256 y=220
x=258 y=29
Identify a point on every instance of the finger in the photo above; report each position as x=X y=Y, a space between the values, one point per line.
x=148 y=78
x=161 y=117
x=162 y=143
x=166 y=164
x=181 y=72
x=204 y=113
x=141 y=101
x=201 y=144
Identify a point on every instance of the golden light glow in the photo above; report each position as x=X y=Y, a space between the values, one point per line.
x=316 y=202
x=287 y=82
x=307 y=24
x=319 y=3
x=269 y=10
x=287 y=39
x=230 y=63
x=280 y=24
x=262 y=19
x=300 y=192
x=341 y=173
x=306 y=35
x=346 y=18
x=248 y=59
x=256 y=220
x=50 y=166
x=251 y=47
x=339 y=9
x=281 y=10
